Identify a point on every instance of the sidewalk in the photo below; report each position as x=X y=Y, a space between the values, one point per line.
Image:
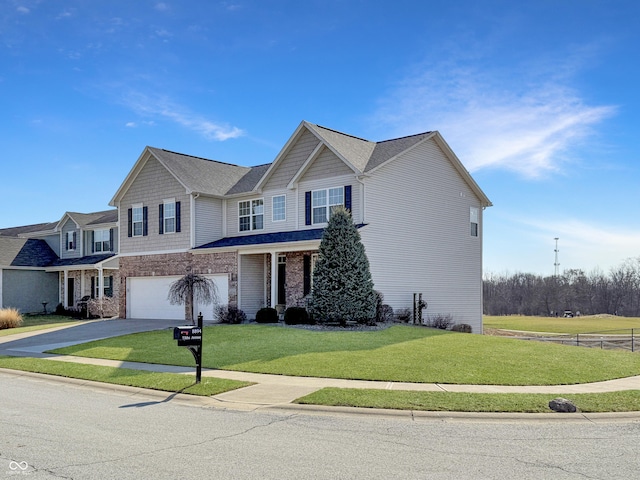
x=272 y=390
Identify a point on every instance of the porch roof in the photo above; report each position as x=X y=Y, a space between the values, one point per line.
x=268 y=238
x=82 y=261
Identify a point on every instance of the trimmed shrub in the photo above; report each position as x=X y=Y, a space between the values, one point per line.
x=105 y=307
x=267 y=315
x=10 y=318
x=297 y=316
x=461 y=327
x=229 y=314
x=441 y=321
x=403 y=315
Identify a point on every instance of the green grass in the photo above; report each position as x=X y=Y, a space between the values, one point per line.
x=626 y=401
x=399 y=354
x=32 y=323
x=562 y=325
x=169 y=382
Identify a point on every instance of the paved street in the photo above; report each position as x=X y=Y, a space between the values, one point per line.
x=52 y=430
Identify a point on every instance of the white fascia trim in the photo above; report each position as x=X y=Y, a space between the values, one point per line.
x=156 y=252
x=262 y=248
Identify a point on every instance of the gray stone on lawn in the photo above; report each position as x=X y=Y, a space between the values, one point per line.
x=562 y=405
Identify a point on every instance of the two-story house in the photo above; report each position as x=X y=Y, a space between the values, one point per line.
x=256 y=230
x=59 y=262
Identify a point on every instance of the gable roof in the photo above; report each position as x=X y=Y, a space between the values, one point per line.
x=27 y=229
x=83 y=220
x=25 y=252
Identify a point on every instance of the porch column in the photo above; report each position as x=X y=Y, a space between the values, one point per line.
x=82 y=283
x=65 y=285
x=100 y=285
x=274 y=279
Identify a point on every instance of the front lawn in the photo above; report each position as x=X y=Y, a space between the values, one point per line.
x=31 y=323
x=169 y=382
x=626 y=401
x=399 y=354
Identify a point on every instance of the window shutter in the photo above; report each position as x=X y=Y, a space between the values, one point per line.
x=66 y=241
x=306 y=289
x=161 y=217
x=93 y=287
x=111 y=247
x=129 y=222
x=109 y=291
x=75 y=241
x=145 y=231
x=93 y=241
x=347 y=197
x=307 y=209
x=177 y=216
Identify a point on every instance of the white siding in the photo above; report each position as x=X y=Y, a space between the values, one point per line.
x=208 y=219
x=418 y=238
x=252 y=284
x=327 y=165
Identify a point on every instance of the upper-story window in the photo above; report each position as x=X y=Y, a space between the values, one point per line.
x=251 y=215
x=138 y=220
x=169 y=211
x=71 y=240
x=102 y=240
x=324 y=201
x=279 y=208
x=473 y=216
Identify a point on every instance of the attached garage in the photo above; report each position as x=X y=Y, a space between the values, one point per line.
x=147 y=298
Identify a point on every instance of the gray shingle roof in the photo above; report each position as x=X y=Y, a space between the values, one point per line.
x=25 y=252
x=249 y=180
x=38 y=227
x=200 y=174
x=87 y=260
x=96 y=218
x=356 y=151
x=387 y=149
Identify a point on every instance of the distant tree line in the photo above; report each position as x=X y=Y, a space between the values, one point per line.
x=617 y=292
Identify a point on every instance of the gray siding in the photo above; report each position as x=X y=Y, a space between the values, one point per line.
x=327 y=165
x=252 y=284
x=152 y=185
x=27 y=289
x=54 y=242
x=418 y=238
x=269 y=225
x=70 y=227
x=291 y=163
x=208 y=220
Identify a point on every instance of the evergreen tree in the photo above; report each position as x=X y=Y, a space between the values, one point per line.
x=342 y=285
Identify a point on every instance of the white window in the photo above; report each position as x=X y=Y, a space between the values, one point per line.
x=251 y=215
x=101 y=241
x=71 y=240
x=279 y=208
x=107 y=288
x=138 y=220
x=169 y=216
x=324 y=201
x=473 y=216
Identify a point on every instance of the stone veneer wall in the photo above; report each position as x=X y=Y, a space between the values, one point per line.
x=178 y=264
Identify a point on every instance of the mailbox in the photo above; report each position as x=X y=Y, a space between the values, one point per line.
x=188 y=335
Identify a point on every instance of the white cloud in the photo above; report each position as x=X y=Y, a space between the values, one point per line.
x=163 y=107
x=161 y=6
x=22 y=9
x=527 y=124
x=131 y=124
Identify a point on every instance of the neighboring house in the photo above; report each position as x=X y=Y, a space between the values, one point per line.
x=24 y=283
x=60 y=262
x=256 y=230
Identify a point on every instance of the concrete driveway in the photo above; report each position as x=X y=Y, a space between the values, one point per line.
x=32 y=343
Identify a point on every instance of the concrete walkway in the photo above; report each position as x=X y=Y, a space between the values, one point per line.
x=268 y=390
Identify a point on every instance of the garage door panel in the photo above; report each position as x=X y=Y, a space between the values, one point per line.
x=147 y=297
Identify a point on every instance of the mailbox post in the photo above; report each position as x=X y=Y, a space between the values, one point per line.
x=191 y=337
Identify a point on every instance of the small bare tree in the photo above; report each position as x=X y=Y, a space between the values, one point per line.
x=192 y=287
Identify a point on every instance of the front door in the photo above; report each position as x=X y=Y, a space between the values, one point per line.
x=70 y=292
x=282 y=294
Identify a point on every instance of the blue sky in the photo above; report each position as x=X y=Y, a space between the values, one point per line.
x=538 y=99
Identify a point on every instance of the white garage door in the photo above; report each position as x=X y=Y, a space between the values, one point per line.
x=147 y=298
